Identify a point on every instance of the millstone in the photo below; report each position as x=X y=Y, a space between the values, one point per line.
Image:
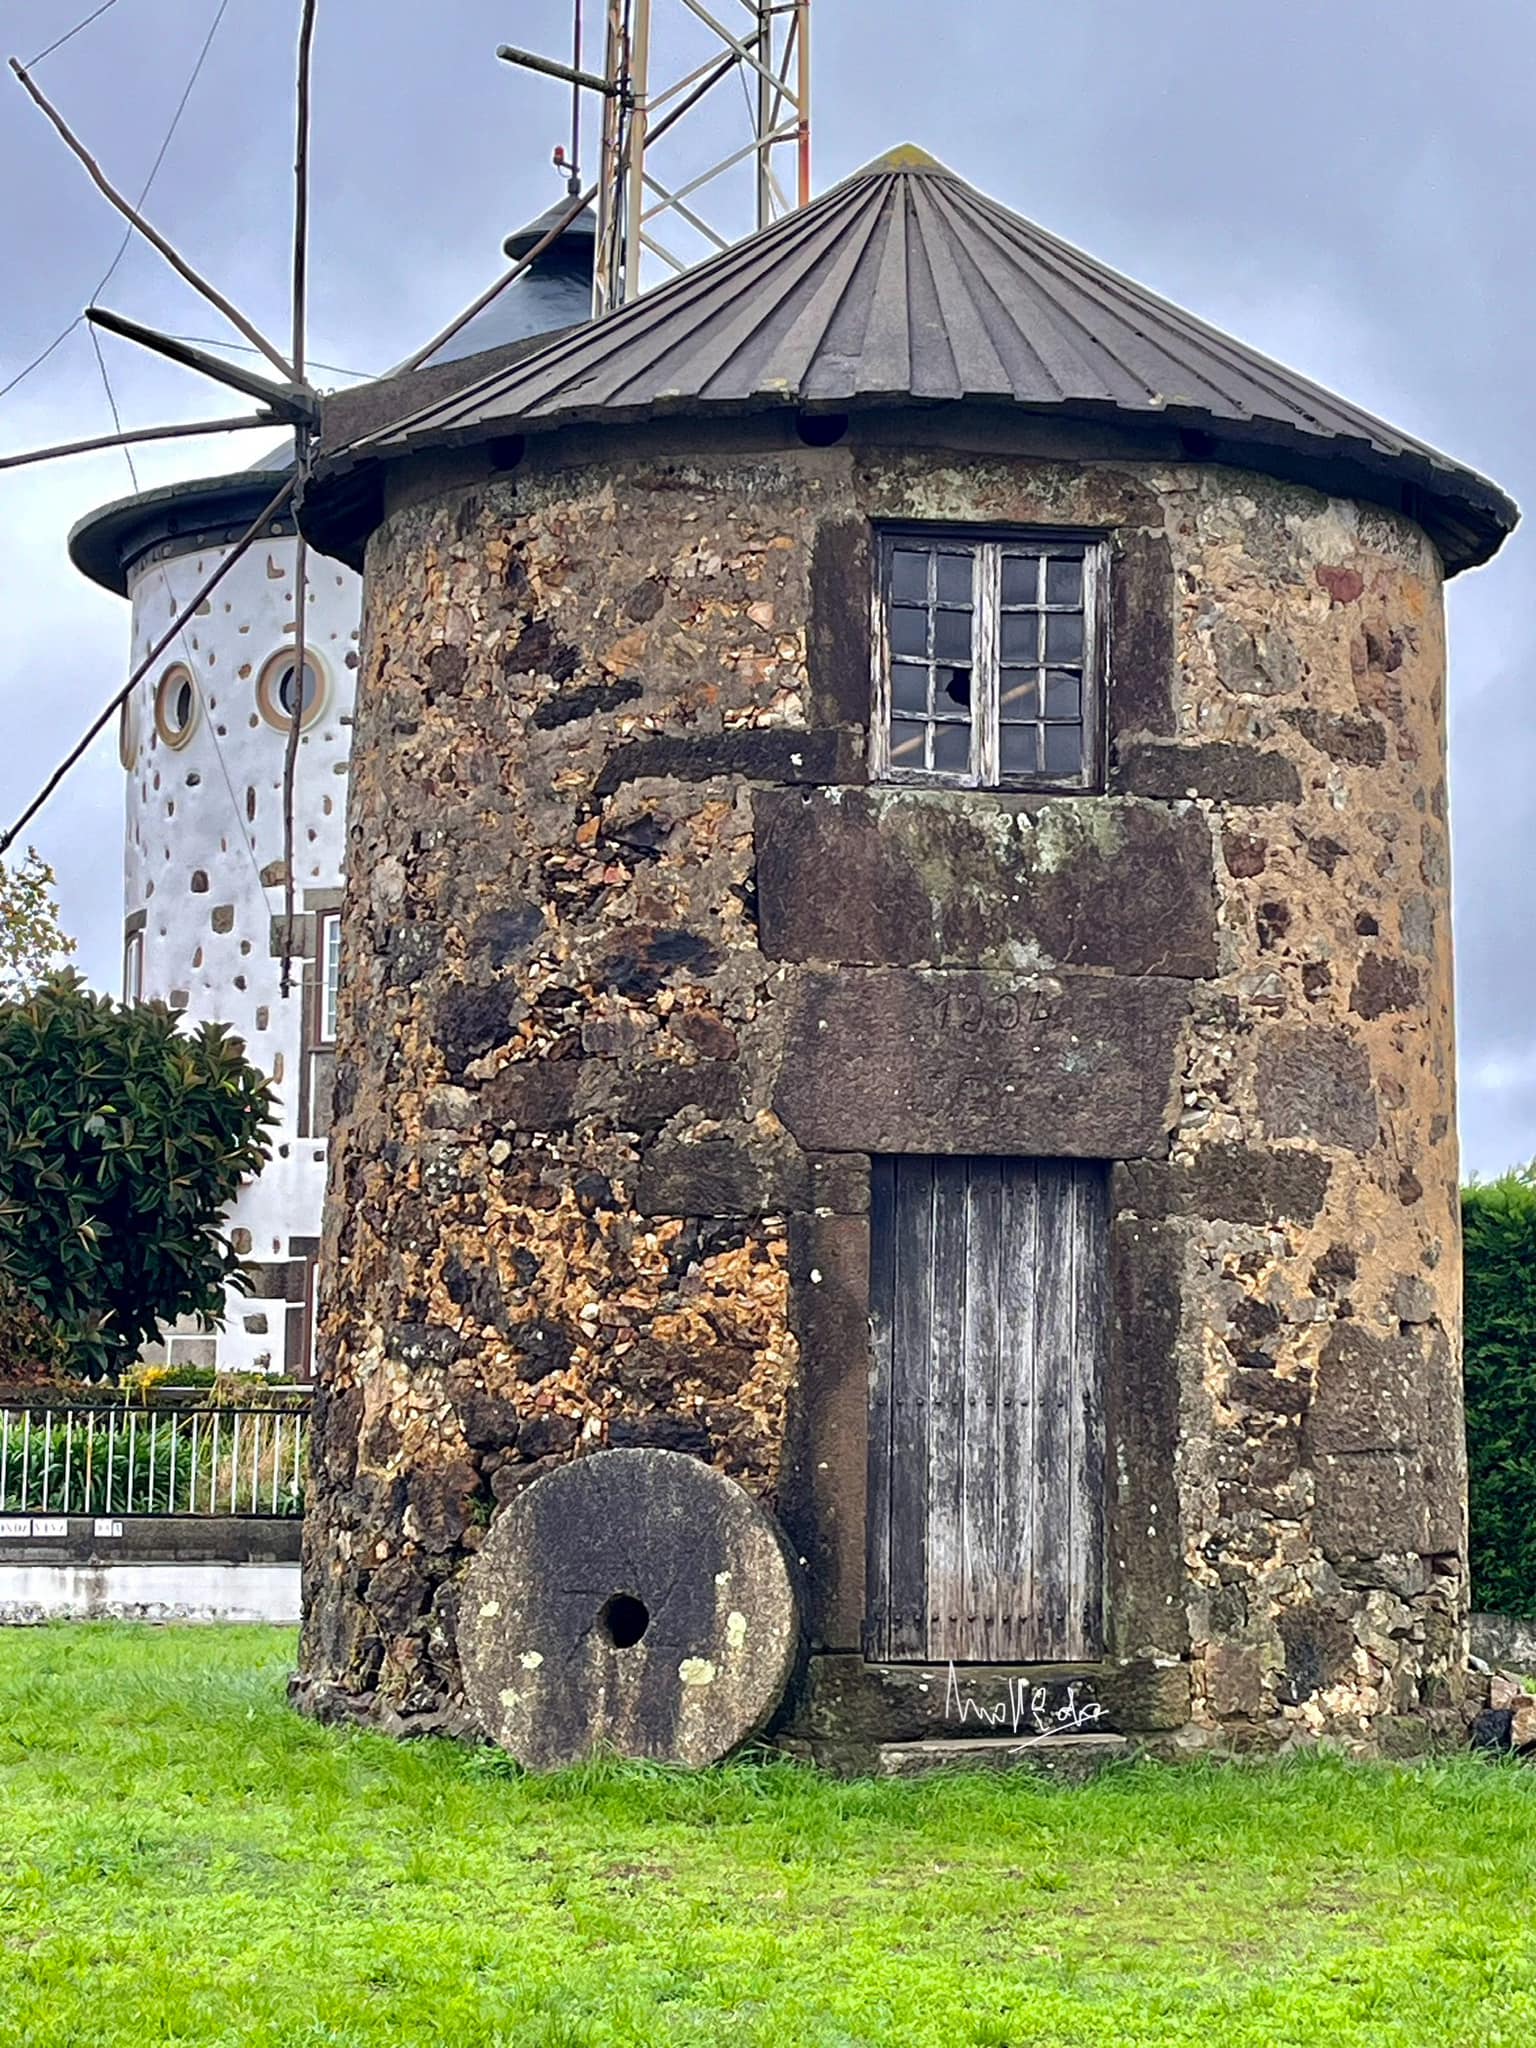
x=635 y=1601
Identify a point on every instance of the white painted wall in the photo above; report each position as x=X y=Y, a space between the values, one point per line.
x=213 y=809
x=32 y=1593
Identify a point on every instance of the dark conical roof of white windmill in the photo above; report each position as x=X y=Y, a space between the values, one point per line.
x=904 y=285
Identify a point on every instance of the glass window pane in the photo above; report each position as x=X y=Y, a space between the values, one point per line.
x=1063 y=582
x=1064 y=636
x=954 y=578
x=906 y=743
x=909 y=687
x=1021 y=579
x=1063 y=694
x=909 y=576
x=909 y=631
x=1019 y=696
x=330 y=975
x=952 y=749
x=1019 y=636
x=1063 y=749
x=1020 y=755
x=951 y=636
x=952 y=690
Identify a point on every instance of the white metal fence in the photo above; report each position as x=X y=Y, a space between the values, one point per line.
x=152 y=1461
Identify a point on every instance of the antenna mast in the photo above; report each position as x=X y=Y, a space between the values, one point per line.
x=635 y=202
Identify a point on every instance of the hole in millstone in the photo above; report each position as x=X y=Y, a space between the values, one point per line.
x=624 y=1620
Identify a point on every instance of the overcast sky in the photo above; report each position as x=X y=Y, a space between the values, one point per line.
x=1345 y=184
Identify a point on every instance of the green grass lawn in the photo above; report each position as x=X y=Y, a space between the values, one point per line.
x=184 y=1860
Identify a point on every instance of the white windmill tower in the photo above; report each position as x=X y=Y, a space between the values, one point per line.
x=236 y=772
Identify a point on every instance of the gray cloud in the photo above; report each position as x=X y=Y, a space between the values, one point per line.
x=1345 y=183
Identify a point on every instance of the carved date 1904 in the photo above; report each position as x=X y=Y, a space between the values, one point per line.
x=976 y=1011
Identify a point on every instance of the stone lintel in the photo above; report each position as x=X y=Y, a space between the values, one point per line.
x=897 y=1060
x=947 y=878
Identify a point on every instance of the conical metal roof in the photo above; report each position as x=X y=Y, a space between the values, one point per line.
x=905 y=285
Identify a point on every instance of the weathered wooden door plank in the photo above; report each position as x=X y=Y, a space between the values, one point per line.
x=983 y=1322
x=1090 y=1320
x=912 y=1323
x=882 y=1274
x=1055 y=1295
x=1016 y=1407
x=950 y=1373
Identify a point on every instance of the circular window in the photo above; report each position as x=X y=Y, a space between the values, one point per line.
x=277 y=687
x=176 y=705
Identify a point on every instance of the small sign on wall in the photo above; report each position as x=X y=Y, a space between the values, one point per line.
x=104 y=1528
x=22 y=1528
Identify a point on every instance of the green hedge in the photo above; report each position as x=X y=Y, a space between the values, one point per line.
x=1499 y=1218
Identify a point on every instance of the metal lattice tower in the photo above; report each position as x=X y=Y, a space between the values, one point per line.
x=696 y=53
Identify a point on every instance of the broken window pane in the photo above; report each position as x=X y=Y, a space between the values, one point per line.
x=952 y=636
x=990 y=677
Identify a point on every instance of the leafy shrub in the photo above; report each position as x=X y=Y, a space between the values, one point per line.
x=1499 y=1221
x=32 y=1351
x=123 y=1140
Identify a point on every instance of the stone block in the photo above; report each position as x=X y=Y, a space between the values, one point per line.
x=837 y=640
x=822 y=1485
x=918 y=878
x=1319 y=1649
x=1227 y=1183
x=1369 y=1395
x=1143 y=672
x=738 y=1171
x=1222 y=771
x=1316 y=1083
x=1369 y=1503
x=892 y=1060
x=846 y=1699
x=1383 y=986
x=1144 y=1566
x=1234 y=1681
x=750 y=754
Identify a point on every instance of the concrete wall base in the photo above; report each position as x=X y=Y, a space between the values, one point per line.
x=33 y=1593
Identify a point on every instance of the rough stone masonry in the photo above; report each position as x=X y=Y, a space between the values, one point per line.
x=640 y=969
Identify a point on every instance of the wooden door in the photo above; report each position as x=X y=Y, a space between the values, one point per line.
x=988 y=1313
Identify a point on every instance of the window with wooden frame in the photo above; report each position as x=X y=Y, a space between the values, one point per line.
x=989 y=659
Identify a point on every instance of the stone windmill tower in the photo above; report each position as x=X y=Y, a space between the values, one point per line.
x=896 y=942
x=202 y=742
